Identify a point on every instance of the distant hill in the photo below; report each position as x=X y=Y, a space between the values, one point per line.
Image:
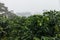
x=24 y=14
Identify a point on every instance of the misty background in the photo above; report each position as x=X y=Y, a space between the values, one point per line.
x=28 y=7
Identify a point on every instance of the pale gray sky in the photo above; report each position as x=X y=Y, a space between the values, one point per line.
x=31 y=5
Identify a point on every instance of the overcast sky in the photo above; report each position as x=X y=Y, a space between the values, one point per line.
x=31 y=5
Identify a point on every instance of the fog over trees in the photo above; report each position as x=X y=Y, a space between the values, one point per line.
x=33 y=27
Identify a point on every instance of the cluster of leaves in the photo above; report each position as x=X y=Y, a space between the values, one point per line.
x=33 y=27
x=29 y=28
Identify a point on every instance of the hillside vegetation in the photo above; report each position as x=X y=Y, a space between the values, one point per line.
x=34 y=27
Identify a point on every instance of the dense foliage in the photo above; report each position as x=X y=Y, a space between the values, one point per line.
x=35 y=27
